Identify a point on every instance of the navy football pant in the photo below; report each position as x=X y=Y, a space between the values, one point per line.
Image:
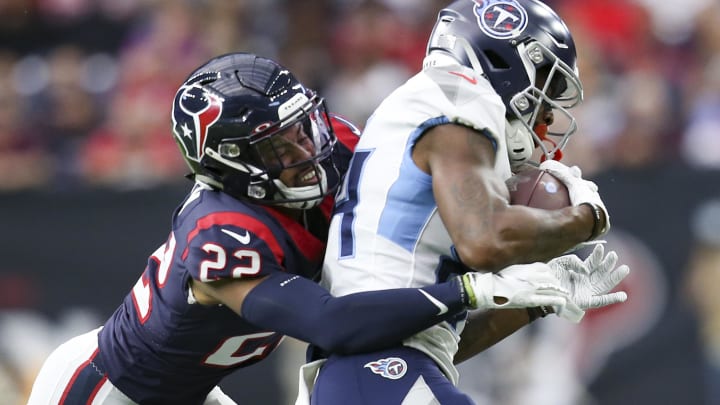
x=398 y=376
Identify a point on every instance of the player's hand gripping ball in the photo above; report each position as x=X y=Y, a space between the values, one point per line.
x=537 y=188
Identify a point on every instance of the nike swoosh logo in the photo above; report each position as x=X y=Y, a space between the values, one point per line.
x=244 y=239
x=472 y=80
x=443 y=308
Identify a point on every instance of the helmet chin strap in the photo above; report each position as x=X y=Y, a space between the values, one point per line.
x=311 y=195
x=208 y=181
x=541 y=130
x=520 y=143
x=307 y=197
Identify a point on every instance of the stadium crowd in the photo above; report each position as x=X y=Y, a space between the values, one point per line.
x=84 y=84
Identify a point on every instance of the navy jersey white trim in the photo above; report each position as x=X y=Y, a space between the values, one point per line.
x=161 y=347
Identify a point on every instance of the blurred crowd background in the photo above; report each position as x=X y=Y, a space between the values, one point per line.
x=86 y=88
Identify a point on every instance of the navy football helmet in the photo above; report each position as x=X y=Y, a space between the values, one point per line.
x=527 y=54
x=239 y=117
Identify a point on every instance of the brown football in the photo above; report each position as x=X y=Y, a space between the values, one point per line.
x=537 y=188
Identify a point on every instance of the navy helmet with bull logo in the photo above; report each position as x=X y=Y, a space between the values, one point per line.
x=228 y=118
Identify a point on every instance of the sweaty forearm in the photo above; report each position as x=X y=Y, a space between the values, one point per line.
x=540 y=235
x=359 y=322
x=485 y=328
x=489 y=234
x=519 y=234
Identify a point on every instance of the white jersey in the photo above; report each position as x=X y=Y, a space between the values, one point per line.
x=386 y=232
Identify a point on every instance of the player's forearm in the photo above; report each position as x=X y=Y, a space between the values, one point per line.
x=532 y=234
x=523 y=235
x=353 y=323
x=489 y=234
x=485 y=328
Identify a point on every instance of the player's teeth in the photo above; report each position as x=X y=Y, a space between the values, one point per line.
x=308 y=176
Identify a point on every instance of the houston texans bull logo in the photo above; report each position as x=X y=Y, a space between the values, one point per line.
x=500 y=19
x=199 y=109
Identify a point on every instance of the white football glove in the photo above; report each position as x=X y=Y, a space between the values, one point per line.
x=520 y=286
x=591 y=281
x=581 y=191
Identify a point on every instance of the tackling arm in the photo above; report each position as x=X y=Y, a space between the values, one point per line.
x=298 y=307
x=365 y=321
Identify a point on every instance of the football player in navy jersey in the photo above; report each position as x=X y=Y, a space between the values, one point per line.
x=428 y=179
x=237 y=270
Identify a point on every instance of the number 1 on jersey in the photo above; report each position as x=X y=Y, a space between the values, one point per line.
x=347 y=200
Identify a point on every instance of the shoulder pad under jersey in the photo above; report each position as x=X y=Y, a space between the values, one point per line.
x=467 y=98
x=231 y=244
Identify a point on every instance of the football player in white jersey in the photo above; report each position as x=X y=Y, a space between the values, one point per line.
x=427 y=179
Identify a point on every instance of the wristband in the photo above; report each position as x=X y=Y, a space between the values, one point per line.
x=597 y=224
x=466 y=291
x=538 y=312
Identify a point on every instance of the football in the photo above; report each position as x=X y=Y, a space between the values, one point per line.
x=537 y=188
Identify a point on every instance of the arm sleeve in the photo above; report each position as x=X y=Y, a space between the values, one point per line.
x=353 y=323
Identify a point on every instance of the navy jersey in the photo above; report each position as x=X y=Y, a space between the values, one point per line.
x=158 y=347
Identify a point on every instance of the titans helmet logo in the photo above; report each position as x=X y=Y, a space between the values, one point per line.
x=195 y=110
x=500 y=19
